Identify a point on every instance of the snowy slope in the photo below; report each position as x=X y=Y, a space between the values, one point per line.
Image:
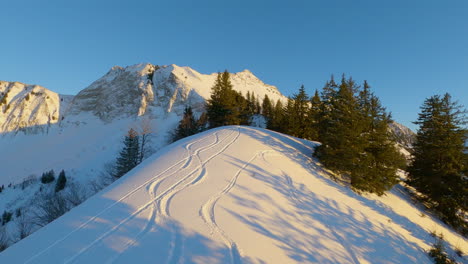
x=234 y=195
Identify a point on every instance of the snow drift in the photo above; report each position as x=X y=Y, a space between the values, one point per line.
x=234 y=195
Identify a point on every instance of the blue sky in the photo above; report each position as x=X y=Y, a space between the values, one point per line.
x=407 y=50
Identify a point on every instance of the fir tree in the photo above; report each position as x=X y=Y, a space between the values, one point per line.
x=221 y=108
x=276 y=121
x=267 y=108
x=380 y=159
x=250 y=97
x=340 y=128
x=61 y=181
x=314 y=116
x=297 y=114
x=241 y=109
x=328 y=97
x=129 y=155
x=48 y=177
x=202 y=122
x=355 y=137
x=439 y=165
x=187 y=126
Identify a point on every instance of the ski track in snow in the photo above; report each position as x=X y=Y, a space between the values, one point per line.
x=150 y=202
x=164 y=203
x=129 y=194
x=208 y=215
x=152 y=188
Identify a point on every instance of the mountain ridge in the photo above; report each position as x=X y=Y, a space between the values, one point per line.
x=236 y=195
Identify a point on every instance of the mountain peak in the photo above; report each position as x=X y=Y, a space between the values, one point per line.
x=147 y=89
x=27 y=107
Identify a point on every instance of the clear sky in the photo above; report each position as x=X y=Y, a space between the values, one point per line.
x=407 y=50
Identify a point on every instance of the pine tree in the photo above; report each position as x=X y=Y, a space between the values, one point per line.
x=250 y=97
x=439 y=165
x=380 y=159
x=328 y=96
x=314 y=116
x=276 y=122
x=48 y=177
x=297 y=114
x=187 y=126
x=202 y=122
x=129 y=155
x=221 y=108
x=355 y=137
x=267 y=108
x=340 y=128
x=241 y=109
x=61 y=181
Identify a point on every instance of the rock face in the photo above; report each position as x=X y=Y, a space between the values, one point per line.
x=121 y=92
x=28 y=108
x=147 y=89
x=137 y=90
x=403 y=135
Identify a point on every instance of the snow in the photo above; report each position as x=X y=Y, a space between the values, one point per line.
x=235 y=195
x=27 y=107
x=95 y=121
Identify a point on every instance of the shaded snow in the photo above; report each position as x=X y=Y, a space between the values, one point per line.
x=234 y=195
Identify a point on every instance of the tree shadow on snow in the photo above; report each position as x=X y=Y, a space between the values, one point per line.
x=325 y=217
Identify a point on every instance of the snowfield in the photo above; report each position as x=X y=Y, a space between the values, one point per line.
x=235 y=195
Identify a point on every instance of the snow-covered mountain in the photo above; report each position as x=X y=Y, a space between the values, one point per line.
x=403 y=135
x=236 y=195
x=81 y=133
x=147 y=89
x=29 y=108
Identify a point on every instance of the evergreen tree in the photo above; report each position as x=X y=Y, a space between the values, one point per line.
x=129 y=155
x=314 y=116
x=355 y=137
x=187 y=126
x=250 y=97
x=439 y=166
x=221 y=108
x=287 y=125
x=241 y=108
x=61 y=181
x=267 y=108
x=297 y=112
x=328 y=96
x=6 y=217
x=380 y=159
x=276 y=121
x=340 y=128
x=48 y=177
x=202 y=122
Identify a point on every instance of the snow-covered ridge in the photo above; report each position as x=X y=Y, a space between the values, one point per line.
x=235 y=195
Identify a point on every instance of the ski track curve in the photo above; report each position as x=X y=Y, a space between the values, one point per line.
x=129 y=194
x=164 y=204
x=145 y=206
x=207 y=213
x=152 y=188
